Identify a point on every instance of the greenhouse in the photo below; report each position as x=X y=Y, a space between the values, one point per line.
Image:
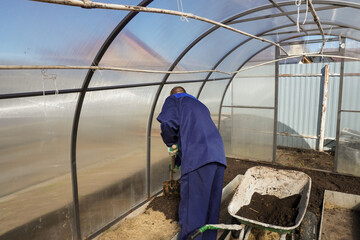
x=82 y=84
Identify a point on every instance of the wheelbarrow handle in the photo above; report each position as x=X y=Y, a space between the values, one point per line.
x=195 y=234
x=199 y=231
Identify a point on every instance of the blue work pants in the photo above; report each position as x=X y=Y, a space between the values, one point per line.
x=201 y=192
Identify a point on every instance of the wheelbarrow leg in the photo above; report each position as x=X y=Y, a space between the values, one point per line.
x=236 y=234
x=242 y=234
x=283 y=236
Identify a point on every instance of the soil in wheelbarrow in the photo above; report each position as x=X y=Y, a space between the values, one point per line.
x=322 y=179
x=271 y=209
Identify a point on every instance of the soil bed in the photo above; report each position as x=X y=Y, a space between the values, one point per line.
x=300 y=160
x=168 y=206
x=320 y=180
x=272 y=210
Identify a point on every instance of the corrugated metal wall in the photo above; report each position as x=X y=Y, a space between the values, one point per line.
x=299 y=106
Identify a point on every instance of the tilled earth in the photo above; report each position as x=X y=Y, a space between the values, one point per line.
x=322 y=179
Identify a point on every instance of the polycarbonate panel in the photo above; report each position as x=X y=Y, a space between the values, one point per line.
x=35 y=175
x=352 y=49
x=211 y=96
x=187 y=76
x=218 y=10
x=312 y=27
x=17 y=81
x=349 y=144
x=225 y=128
x=228 y=98
x=111 y=78
x=150 y=42
x=199 y=57
x=302 y=38
x=267 y=12
x=255 y=87
x=298 y=49
x=52 y=34
x=267 y=54
x=351 y=87
x=257 y=27
x=251 y=133
x=241 y=55
x=154 y=41
x=111 y=154
x=160 y=158
x=341 y=15
x=345 y=33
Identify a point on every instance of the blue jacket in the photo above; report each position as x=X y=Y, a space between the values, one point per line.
x=186 y=121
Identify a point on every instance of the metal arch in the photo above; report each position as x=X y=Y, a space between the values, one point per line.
x=286 y=14
x=173 y=65
x=261 y=34
x=187 y=49
x=289 y=25
x=263 y=50
x=228 y=21
x=227 y=86
x=78 y=108
x=289 y=13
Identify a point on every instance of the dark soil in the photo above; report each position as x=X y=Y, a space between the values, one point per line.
x=321 y=180
x=305 y=158
x=169 y=206
x=272 y=210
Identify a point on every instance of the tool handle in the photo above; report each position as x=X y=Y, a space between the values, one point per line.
x=174 y=147
x=172 y=167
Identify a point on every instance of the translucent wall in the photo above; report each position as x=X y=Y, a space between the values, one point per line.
x=252 y=134
x=349 y=140
x=35 y=179
x=349 y=144
x=51 y=34
x=111 y=154
x=198 y=57
x=249 y=110
x=211 y=96
x=225 y=127
x=160 y=158
x=25 y=81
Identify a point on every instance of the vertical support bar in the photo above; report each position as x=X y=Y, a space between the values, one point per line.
x=276 y=101
x=232 y=113
x=338 y=122
x=324 y=109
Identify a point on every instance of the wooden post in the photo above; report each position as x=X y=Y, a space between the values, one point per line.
x=323 y=110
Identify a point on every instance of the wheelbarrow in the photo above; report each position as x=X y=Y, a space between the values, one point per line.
x=265 y=181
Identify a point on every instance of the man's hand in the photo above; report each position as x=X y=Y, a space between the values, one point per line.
x=173 y=150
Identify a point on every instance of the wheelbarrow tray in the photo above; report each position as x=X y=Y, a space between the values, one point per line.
x=270 y=181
